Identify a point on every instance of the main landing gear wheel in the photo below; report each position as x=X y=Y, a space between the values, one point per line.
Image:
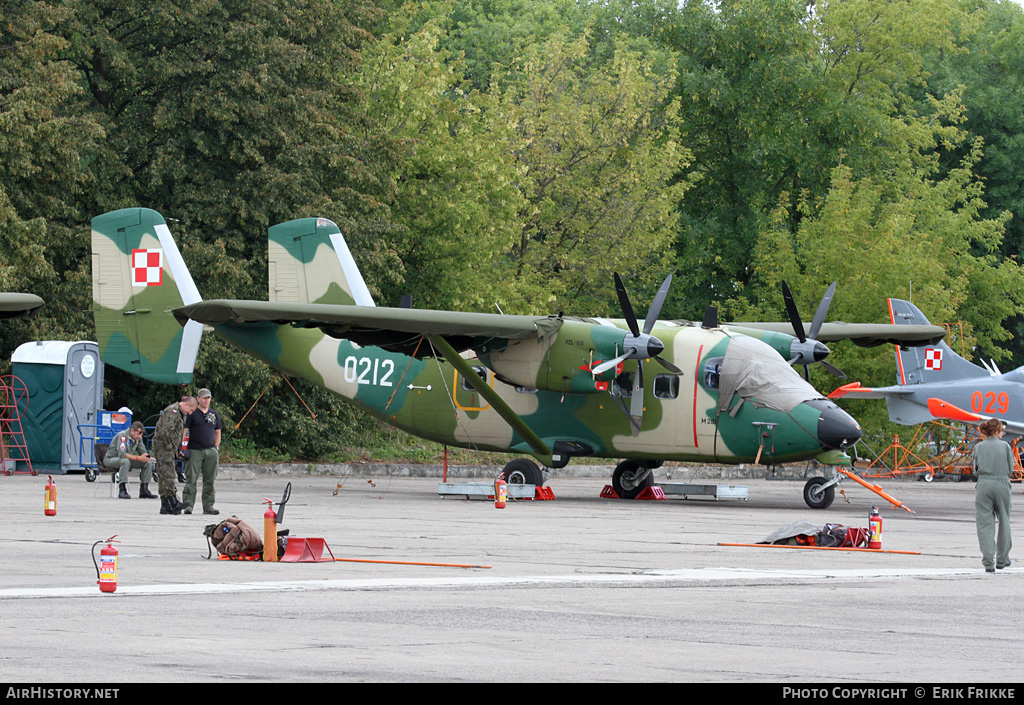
x=631 y=478
x=816 y=496
x=523 y=471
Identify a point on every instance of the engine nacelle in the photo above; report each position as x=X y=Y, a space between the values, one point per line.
x=562 y=361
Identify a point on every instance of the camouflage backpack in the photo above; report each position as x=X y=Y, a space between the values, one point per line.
x=232 y=537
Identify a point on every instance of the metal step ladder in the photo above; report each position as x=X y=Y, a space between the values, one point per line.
x=13 y=403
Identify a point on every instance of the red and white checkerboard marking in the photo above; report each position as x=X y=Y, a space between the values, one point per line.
x=933 y=359
x=147 y=267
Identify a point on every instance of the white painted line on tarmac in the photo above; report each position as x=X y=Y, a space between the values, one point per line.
x=669 y=577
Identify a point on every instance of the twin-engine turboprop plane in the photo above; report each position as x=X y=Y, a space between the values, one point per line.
x=552 y=387
x=934 y=382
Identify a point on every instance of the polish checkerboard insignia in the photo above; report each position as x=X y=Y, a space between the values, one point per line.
x=933 y=359
x=147 y=267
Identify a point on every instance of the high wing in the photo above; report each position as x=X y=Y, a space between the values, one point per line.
x=866 y=335
x=393 y=329
x=19 y=305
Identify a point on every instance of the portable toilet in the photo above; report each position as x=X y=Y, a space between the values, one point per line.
x=64 y=394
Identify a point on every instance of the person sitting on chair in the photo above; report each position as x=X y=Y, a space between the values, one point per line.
x=126 y=452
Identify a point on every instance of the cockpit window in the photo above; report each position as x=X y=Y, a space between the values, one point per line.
x=754 y=370
x=712 y=372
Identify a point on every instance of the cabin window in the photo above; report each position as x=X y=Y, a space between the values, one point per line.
x=481 y=371
x=666 y=386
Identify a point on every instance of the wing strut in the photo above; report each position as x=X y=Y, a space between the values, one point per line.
x=479 y=384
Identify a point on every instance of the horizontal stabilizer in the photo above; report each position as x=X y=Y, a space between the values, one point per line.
x=854 y=390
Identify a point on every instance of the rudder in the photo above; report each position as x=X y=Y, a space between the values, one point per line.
x=310 y=262
x=138 y=277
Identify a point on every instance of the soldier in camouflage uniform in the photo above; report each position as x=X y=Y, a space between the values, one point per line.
x=126 y=452
x=167 y=438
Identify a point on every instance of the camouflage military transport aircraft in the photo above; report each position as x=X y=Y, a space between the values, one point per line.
x=933 y=382
x=552 y=387
x=19 y=305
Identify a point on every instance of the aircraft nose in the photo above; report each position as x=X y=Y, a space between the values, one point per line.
x=837 y=429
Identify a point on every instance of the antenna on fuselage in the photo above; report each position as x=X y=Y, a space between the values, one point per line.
x=710 y=317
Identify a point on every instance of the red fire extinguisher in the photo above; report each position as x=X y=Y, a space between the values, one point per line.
x=106 y=570
x=50 y=505
x=875 y=529
x=269 y=533
x=500 y=493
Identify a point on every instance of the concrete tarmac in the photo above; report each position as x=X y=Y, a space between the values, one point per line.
x=577 y=589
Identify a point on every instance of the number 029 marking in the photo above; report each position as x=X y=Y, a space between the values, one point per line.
x=990 y=402
x=366 y=370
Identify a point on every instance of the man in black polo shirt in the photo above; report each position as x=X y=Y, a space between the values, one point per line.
x=204 y=429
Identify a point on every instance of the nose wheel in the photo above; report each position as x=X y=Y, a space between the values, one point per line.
x=820 y=492
x=631 y=478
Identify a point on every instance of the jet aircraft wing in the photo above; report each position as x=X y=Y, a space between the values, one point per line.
x=866 y=335
x=19 y=305
x=944 y=410
x=394 y=329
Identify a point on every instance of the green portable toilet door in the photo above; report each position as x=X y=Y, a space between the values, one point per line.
x=83 y=396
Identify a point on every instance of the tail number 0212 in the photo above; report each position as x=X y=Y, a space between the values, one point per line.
x=366 y=370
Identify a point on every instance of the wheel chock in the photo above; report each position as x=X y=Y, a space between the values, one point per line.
x=543 y=493
x=301 y=550
x=652 y=492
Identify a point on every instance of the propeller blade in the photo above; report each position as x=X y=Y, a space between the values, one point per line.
x=794 y=315
x=659 y=300
x=636 y=402
x=669 y=367
x=627 y=308
x=819 y=315
x=833 y=369
x=608 y=364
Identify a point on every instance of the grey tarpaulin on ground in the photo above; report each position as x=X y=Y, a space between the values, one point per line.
x=797 y=528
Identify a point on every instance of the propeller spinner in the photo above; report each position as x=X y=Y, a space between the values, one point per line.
x=640 y=345
x=808 y=350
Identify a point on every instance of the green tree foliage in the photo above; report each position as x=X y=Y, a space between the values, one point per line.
x=530 y=193
x=455 y=188
x=44 y=139
x=228 y=117
x=597 y=158
x=989 y=72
